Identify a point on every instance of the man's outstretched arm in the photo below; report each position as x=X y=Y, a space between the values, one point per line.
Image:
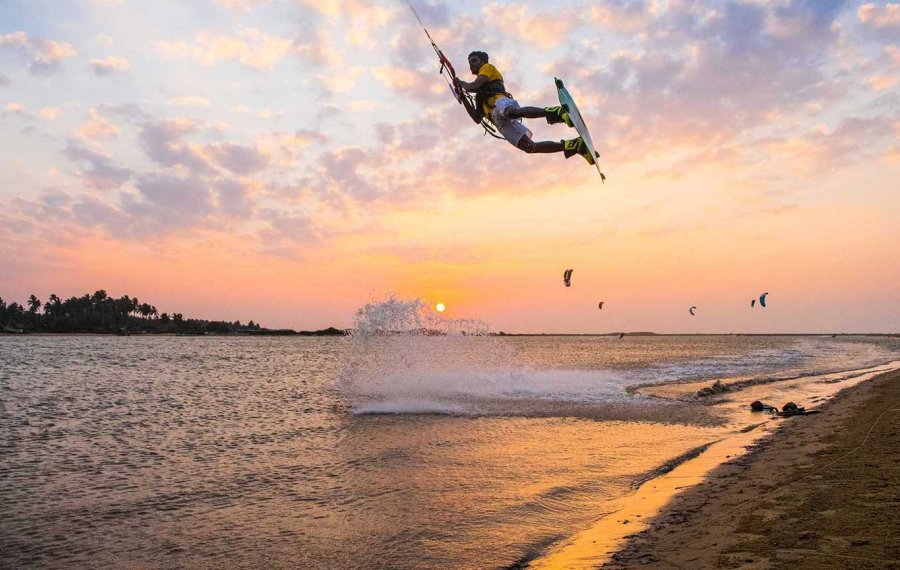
x=473 y=86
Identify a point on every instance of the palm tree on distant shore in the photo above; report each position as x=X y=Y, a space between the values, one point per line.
x=34 y=304
x=99 y=312
x=53 y=309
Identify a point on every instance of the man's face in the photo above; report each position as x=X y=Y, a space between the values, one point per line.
x=475 y=64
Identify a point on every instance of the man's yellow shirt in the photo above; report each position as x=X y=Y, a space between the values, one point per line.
x=489 y=71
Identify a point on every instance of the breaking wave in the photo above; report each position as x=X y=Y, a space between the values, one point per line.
x=404 y=358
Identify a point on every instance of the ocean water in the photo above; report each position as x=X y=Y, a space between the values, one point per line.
x=391 y=448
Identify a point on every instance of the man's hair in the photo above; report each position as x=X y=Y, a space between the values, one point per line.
x=480 y=54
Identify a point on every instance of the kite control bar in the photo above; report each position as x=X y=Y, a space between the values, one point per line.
x=460 y=95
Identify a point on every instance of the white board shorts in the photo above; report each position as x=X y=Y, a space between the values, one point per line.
x=512 y=129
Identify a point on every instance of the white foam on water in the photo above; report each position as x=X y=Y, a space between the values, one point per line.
x=403 y=358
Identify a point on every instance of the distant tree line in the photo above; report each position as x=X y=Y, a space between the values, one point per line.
x=100 y=313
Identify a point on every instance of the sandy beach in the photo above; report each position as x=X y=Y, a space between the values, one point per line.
x=821 y=492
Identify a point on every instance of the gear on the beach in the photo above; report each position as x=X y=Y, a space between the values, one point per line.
x=558 y=114
x=791 y=409
x=758 y=406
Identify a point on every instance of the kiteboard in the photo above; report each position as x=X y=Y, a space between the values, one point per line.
x=566 y=100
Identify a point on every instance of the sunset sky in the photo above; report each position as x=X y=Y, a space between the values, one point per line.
x=289 y=161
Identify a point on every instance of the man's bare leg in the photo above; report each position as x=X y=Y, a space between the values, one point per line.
x=553 y=115
x=543 y=147
x=527 y=113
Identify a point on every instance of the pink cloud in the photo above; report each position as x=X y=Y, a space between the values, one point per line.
x=189 y=101
x=543 y=29
x=411 y=83
x=43 y=56
x=284 y=149
x=881 y=82
x=235 y=198
x=162 y=141
x=319 y=47
x=50 y=113
x=239 y=5
x=96 y=128
x=250 y=47
x=110 y=65
x=344 y=81
x=886 y=17
x=240 y=159
x=166 y=203
x=621 y=15
x=102 y=172
x=15 y=108
x=700 y=77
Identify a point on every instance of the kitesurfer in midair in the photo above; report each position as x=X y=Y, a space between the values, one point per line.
x=494 y=101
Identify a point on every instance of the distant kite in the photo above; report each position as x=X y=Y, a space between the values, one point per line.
x=601 y=304
x=621 y=335
x=691 y=310
x=752 y=303
x=762 y=299
x=567 y=277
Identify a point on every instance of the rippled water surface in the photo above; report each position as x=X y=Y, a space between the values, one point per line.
x=432 y=452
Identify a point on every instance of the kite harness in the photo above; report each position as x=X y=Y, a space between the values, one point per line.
x=487 y=91
x=473 y=107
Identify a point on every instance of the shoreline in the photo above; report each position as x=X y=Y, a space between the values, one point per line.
x=321 y=332
x=267 y=333
x=819 y=490
x=611 y=539
x=653 y=334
